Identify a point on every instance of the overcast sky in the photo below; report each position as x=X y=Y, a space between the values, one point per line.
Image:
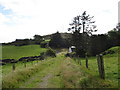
x=21 y=19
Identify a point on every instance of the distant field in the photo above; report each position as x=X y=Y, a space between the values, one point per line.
x=16 y=52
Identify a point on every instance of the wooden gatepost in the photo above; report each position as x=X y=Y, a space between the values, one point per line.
x=13 y=67
x=25 y=64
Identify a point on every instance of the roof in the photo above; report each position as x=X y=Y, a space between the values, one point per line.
x=73 y=47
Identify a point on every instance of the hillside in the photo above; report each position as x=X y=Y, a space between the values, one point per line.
x=63 y=35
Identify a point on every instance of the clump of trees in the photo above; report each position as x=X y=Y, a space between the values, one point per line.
x=82 y=27
x=37 y=39
x=50 y=52
x=21 y=42
x=98 y=44
x=114 y=37
x=57 y=41
x=101 y=42
x=85 y=42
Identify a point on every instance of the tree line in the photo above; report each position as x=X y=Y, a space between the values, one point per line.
x=95 y=44
x=37 y=39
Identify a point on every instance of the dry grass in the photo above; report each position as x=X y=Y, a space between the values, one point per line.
x=70 y=73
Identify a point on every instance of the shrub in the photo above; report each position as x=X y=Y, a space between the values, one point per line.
x=42 y=55
x=50 y=52
x=108 y=52
x=72 y=55
x=43 y=44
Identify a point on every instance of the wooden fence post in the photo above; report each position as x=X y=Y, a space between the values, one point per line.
x=13 y=67
x=80 y=62
x=86 y=60
x=32 y=62
x=37 y=61
x=101 y=66
x=25 y=64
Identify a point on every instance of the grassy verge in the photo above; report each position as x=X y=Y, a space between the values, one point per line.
x=70 y=73
x=14 y=79
x=91 y=75
x=31 y=76
x=6 y=69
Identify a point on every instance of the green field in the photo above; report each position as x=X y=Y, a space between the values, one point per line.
x=63 y=72
x=16 y=52
x=111 y=71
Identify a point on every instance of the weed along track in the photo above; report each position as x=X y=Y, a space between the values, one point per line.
x=44 y=82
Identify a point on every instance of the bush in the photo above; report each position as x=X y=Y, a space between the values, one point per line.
x=80 y=52
x=50 y=52
x=44 y=44
x=42 y=55
x=108 y=52
x=72 y=55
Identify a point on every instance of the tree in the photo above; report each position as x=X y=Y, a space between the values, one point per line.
x=113 y=37
x=117 y=28
x=82 y=27
x=98 y=44
x=21 y=42
x=56 y=41
x=83 y=22
x=38 y=39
